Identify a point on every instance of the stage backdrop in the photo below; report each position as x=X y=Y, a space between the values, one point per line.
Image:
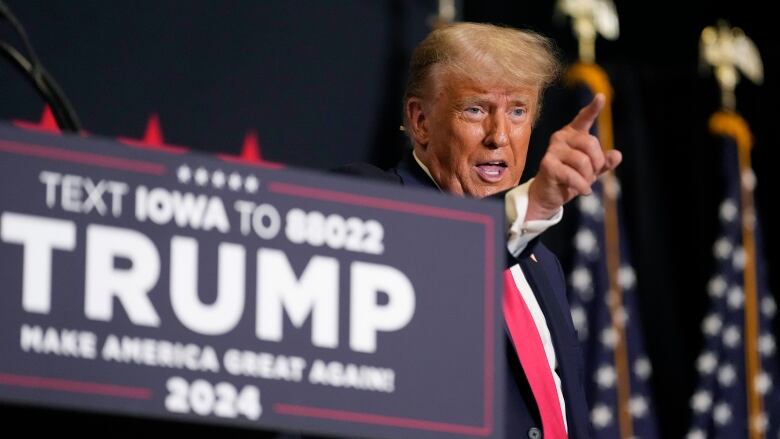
x=320 y=84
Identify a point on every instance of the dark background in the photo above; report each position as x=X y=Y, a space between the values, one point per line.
x=321 y=83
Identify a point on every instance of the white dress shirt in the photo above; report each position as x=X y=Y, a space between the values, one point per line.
x=519 y=234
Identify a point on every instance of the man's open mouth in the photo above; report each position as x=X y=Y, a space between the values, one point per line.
x=492 y=171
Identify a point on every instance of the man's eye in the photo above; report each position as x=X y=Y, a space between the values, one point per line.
x=473 y=110
x=518 y=112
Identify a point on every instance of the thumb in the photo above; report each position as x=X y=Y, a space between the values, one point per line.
x=612 y=159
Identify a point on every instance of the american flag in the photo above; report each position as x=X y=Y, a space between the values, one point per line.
x=612 y=368
x=588 y=286
x=719 y=403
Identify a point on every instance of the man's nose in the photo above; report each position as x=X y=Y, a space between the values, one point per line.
x=497 y=131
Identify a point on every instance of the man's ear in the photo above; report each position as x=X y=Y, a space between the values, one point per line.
x=418 y=121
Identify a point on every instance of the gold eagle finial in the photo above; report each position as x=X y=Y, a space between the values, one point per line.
x=729 y=51
x=447 y=13
x=589 y=18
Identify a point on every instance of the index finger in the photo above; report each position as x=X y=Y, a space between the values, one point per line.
x=588 y=114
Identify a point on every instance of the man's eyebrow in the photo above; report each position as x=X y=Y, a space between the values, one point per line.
x=488 y=97
x=473 y=99
x=523 y=100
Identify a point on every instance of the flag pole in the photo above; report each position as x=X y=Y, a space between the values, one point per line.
x=588 y=21
x=729 y=51
x=596 y=79
x=727 y=123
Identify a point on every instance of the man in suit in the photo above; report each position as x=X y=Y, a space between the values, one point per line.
x=473 y=95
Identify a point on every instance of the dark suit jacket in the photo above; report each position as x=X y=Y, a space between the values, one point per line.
x=548 y=283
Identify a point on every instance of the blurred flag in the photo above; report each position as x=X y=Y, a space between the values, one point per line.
x=602 y=288
x=737 y=367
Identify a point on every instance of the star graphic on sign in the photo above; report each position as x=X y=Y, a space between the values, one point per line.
x=735 y=297
x=642 y=368
x=766 y=344
x=731 y=336
x=722 y=413
x=601 y=416
x=153 y=138
x=728 y=210
x=637 y=406
x=234 y=181
x=251 y=184
x=701 y=401
x=706 y=363
x=712 y=324
x=201 y=176
x=722 y=248
x=717 y=286
x=218 y=179
x=726 y=375
x=184 y=174
x=47 y=123
x=605 y=376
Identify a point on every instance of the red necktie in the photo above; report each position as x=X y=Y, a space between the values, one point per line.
x=530 y=350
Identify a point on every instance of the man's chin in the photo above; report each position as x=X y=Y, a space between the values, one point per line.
x=483 y=188
x=488 y=191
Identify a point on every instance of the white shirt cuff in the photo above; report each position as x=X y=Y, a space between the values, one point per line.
x=520 y=231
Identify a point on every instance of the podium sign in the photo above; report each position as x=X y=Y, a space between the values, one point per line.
x=179 y=286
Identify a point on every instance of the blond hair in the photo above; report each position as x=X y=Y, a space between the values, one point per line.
x=485 y=53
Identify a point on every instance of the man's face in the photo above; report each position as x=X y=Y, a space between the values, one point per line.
x=474 y=136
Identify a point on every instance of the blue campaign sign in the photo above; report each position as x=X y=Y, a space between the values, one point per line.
x=180 y=286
